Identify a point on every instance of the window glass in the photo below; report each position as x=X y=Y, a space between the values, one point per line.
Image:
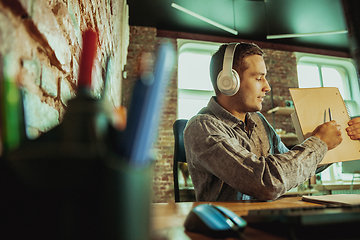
x=194 y=84
x=325 y=175
x=332 y=78
x=194 y=71
x=190 y=107
x=308 y=76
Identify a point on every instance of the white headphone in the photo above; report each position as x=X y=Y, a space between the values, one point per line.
x=228 y=80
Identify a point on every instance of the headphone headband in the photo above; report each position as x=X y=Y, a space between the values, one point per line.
x=228 y=59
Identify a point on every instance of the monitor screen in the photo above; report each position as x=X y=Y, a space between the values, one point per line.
x=351 y=166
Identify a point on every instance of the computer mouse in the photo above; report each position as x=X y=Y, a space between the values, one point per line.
x=214 y=221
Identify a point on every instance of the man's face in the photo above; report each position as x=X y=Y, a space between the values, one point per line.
x=253 y=85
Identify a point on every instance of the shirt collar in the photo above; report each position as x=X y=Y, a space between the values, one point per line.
x=227 y=117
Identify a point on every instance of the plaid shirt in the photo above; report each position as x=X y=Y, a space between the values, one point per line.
x=228 y=163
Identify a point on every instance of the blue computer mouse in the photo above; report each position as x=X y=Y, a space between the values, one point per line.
x=214 y=221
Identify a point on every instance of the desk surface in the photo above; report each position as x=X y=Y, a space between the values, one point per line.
x=168 y=218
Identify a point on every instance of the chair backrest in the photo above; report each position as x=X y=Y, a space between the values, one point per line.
x=179 y=152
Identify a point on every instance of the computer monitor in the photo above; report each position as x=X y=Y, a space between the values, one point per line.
x=351 y=166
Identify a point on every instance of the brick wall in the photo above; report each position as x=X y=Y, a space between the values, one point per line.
x=40 y=45
x=143 y=39
x=282 y=74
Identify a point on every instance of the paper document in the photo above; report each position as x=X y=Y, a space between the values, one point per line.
x=342 y=199
x=312 y=108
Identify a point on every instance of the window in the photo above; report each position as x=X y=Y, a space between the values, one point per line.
x=322 y=71
x=194 y=84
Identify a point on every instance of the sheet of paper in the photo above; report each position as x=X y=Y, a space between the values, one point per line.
x=343 y=199
x=311 y=104
x=297 y=127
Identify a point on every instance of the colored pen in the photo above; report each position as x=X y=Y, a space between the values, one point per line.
x=144 y=111
x=12 y=115
x=329 y=115
x=87 y=61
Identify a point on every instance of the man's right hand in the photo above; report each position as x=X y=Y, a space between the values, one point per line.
x=329 y=133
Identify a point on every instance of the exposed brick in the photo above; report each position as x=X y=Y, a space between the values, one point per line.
x=48 y=81
x=32 y=69
x=113 y=84
x=65 y=95
x=20 y=8
x=7 y=34
x=42 y=42
x=38 y=114
x=97 y=79
x=46 y=23
x=67 y=23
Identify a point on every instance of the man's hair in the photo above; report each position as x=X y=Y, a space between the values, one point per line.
x=242 y=50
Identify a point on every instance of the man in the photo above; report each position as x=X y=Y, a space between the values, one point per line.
x=233 y=153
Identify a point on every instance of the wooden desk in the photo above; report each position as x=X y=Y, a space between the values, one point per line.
x=168 y=218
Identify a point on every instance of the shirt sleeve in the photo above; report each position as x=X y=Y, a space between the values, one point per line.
x=212 y=147
x=278 y=145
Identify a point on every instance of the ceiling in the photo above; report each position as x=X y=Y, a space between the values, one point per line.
x=253 y=19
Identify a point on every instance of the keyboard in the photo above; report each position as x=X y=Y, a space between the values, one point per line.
x=319 y=222
x=306 y=216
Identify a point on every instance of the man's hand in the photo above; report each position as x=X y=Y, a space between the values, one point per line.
x=329 y=133
x=354 y=129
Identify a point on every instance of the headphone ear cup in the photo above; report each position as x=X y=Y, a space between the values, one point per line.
x=236 y=78
x=227 y=85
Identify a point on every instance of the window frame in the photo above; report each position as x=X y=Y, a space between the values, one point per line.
x=199 y=47
x=347 y=70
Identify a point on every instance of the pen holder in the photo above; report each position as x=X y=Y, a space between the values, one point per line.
x=132 y=198
x=70 y=184
x=61 y=196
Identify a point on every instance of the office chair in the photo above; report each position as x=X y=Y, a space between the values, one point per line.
x=179 y=153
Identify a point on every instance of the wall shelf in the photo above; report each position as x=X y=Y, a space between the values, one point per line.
x=282 y=110
x=288 y=136
x=289 y=139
